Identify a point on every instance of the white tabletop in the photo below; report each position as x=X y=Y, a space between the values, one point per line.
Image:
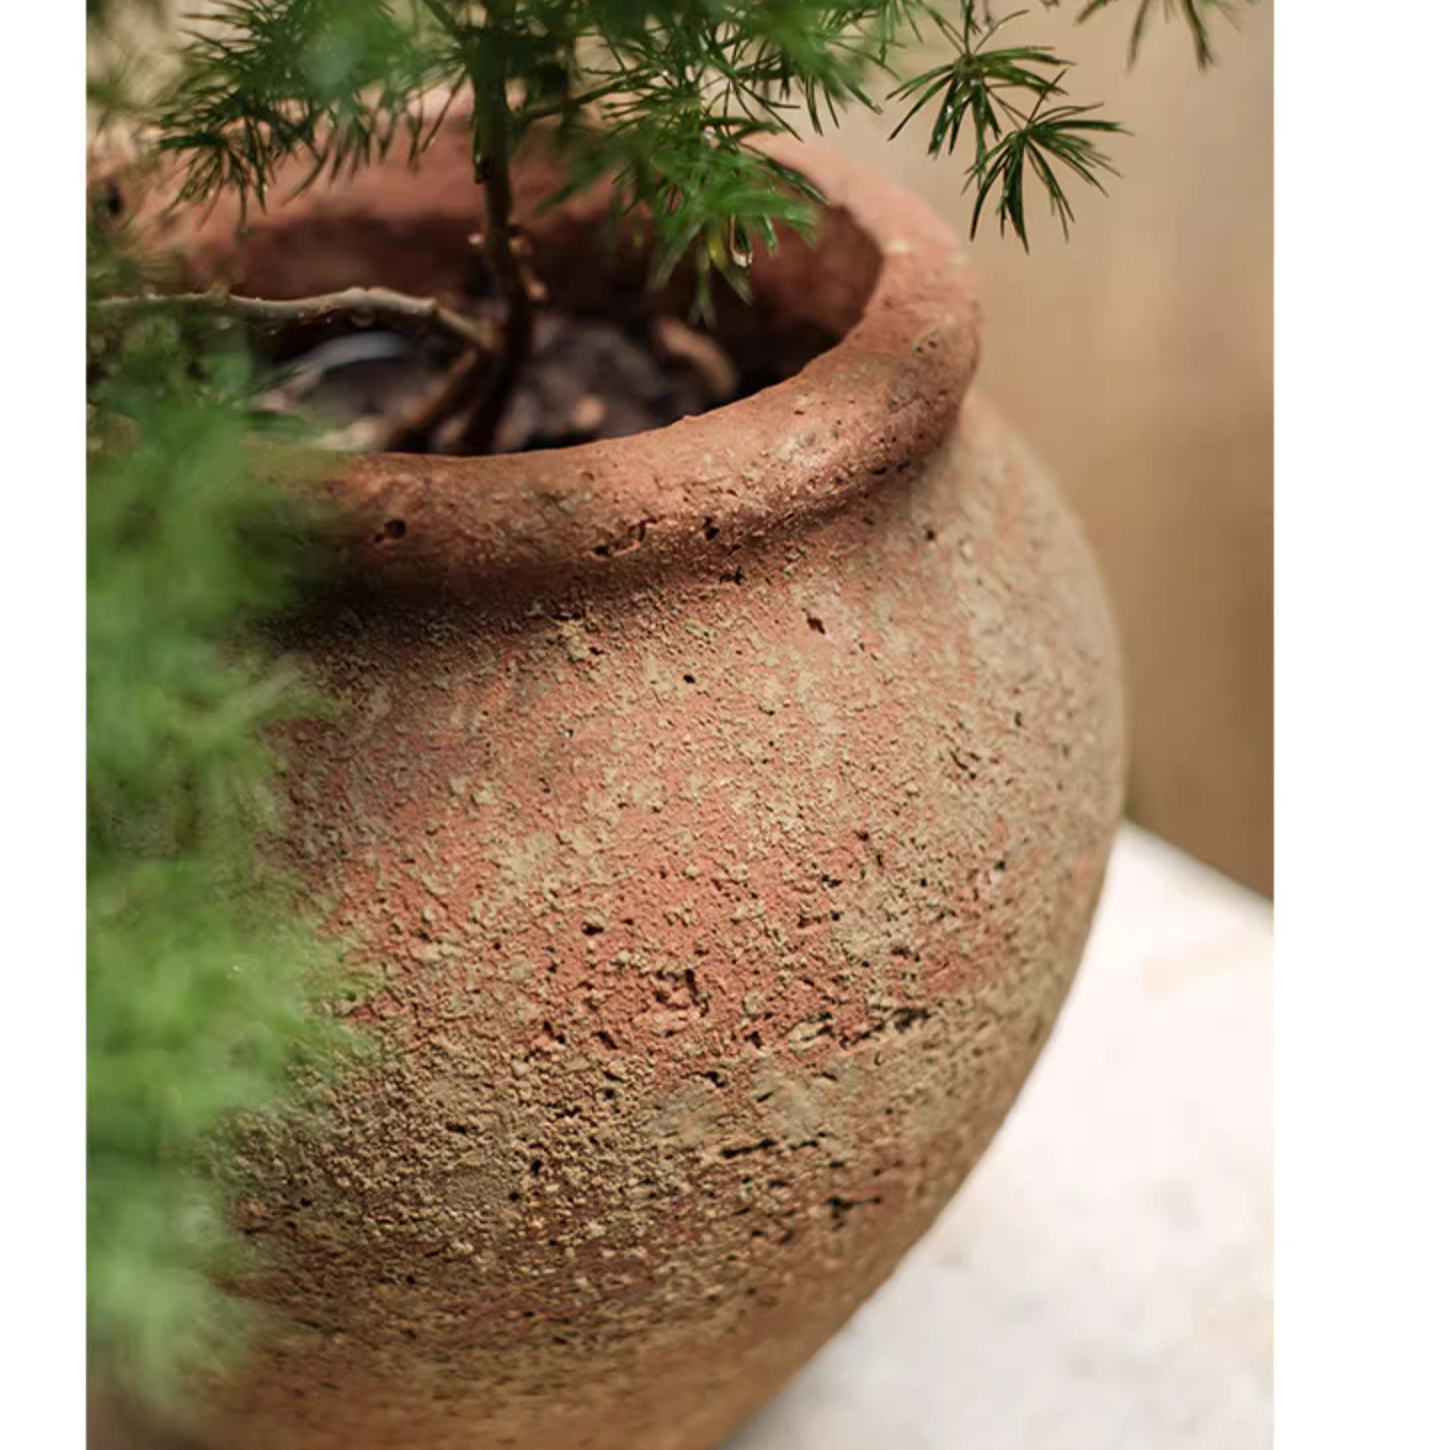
x=1102 y=1281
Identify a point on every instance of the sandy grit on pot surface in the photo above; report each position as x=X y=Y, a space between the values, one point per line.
x=726 y=806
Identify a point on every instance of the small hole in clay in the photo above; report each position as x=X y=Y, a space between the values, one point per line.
x=392 y=529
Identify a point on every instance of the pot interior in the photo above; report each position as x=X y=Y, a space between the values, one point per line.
x=417 y=231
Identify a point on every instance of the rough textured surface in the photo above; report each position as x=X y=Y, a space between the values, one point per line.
x=1139 y=359
x=1104 y=1279
x=727 y=806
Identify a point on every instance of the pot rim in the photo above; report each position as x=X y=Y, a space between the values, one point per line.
x=880 y=401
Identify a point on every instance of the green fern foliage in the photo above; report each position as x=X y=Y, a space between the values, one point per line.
x=204 y=979
x=671 y=101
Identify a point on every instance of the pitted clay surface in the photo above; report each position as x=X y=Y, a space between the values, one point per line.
x=726 y=837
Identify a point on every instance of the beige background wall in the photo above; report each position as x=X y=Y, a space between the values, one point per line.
x=1138 y=359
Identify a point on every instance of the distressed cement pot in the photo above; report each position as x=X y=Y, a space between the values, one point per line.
x=727 y=806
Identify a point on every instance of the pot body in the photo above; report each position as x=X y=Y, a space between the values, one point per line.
x=722 y=902
x=722 y=918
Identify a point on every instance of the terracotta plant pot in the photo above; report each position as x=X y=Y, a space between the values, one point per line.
x=727 y=806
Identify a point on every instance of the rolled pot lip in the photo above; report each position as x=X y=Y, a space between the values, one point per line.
x=878 y=402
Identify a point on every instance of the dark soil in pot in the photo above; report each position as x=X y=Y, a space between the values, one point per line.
x=590 y=377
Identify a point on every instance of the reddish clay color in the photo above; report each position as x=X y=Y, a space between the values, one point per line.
x=727 y=806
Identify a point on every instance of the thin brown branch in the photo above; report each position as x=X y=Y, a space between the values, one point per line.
x=517 y=338
x=362 y=305
x=460 y=386
x=492 y=163
x=447 y=21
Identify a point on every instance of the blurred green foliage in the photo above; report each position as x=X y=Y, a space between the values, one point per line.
x=203 y=975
